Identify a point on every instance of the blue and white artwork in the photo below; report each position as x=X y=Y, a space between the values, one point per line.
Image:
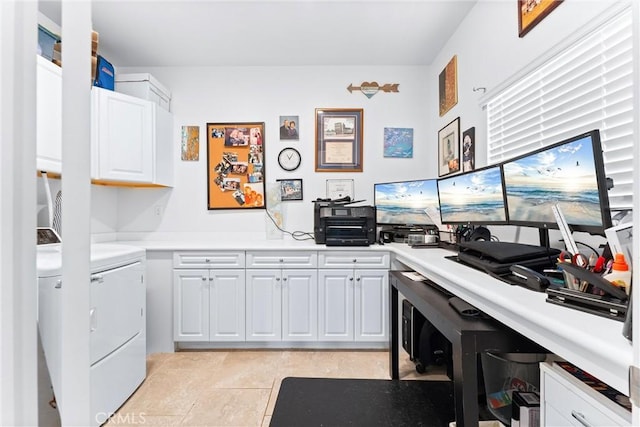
x=398 y=142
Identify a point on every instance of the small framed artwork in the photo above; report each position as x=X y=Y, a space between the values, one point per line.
x=339 y=188
x=449 y=148
x=339 y=139
x=531 y=12
x=398 y=142
x=469 y=149
x=620 y=239
x=190 y=143
x=289 y=127
x=448 y=86
x=290 y=189
x=235 y=167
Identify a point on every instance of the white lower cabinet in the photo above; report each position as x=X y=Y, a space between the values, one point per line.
x=209 y=302
x=567 y=401
x=353 y=302
x=282 y=305
x=281 y=296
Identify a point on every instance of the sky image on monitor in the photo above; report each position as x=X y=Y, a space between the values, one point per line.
x=563 y=175
x=473 y=197
x=407 y=203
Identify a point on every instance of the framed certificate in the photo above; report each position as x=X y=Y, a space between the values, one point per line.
x=339 y=188
x=339 y=140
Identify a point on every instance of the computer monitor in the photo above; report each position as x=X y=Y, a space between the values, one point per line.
x=473 y=198
x=407 y=203
x=570 y=174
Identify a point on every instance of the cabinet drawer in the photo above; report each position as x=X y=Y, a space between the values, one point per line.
x=570 y=399
x=209 y=259
x=282 y=259
x=346 y=259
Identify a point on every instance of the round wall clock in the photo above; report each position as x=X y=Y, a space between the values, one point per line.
x=289 y=159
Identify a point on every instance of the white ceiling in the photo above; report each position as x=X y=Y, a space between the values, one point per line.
x=264 y=32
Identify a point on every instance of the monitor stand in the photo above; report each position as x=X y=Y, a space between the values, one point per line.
x=400 y=233
x=544 y=237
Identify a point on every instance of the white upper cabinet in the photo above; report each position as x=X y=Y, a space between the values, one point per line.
x=131 y=140
x=48 y=116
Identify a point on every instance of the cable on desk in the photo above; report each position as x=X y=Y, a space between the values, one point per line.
x=297 y=235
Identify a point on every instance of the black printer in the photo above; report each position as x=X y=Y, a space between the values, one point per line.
x=341 y=225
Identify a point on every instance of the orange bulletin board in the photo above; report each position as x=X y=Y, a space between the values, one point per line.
x=235 y=166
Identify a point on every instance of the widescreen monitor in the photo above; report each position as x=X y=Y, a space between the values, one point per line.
x=407 y=203
x=473 y=198
x=569 y=174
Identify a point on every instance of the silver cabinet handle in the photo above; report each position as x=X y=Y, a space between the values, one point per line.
x=358 y=279
x=351 y=279
x=204 y=278
x=581 y=419
x=355 y=260
x=93 y=320
x=207 y=260
x=284 y=278
x=277 y=279
x=58 y=284
x=97 y=278
x=281 y=260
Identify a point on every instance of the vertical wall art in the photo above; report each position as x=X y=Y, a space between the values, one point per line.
x=235 y=166
x=339 y=139
x=398 y=142
x=289 y=127
x=469 y=149
x=190 y=143
x=449 y=148
x=448 y=86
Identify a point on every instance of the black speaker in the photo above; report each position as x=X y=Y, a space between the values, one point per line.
x=480 y=233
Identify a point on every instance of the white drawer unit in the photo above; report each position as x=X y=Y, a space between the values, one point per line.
x=209 y=259
x=567 y=401
x=282 y=259
x=350 y=259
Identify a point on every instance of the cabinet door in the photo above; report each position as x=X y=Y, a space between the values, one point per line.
x=49 y=116
x=299 y=305
x=123 y=133
x=264 y=305
x=335 y=305
x=226 y=303
x=191 y=305
x=371 y=305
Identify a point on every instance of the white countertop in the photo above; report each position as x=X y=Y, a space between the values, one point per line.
x=593 y=343
x=103 y=255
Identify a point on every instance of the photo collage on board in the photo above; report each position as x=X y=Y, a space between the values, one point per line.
x=239 y=168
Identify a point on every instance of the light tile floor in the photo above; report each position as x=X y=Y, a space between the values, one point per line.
x=239 y=388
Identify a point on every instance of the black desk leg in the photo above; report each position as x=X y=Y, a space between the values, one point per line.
x=393 y=332
x=465 y=392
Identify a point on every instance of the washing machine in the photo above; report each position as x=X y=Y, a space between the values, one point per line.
x=116 y=320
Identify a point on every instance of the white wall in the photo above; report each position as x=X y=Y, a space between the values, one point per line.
x=262 y=94
x=488 y=51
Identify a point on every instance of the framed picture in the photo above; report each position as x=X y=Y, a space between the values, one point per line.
x=448 y=86
x=531 y=12
x=235 y=166
x=290 y=189
x=398 y=142
x=190 y=143
x=339 y=188
x=449 y=148
x=339 y=140
x=469 y=149
x=620 y=239
x=289 y=127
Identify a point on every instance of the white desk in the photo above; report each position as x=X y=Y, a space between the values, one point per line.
x=590 y=342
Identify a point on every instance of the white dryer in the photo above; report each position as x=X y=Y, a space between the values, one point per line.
x=116 y=318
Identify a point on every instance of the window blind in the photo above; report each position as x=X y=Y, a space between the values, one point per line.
x=588 y=85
